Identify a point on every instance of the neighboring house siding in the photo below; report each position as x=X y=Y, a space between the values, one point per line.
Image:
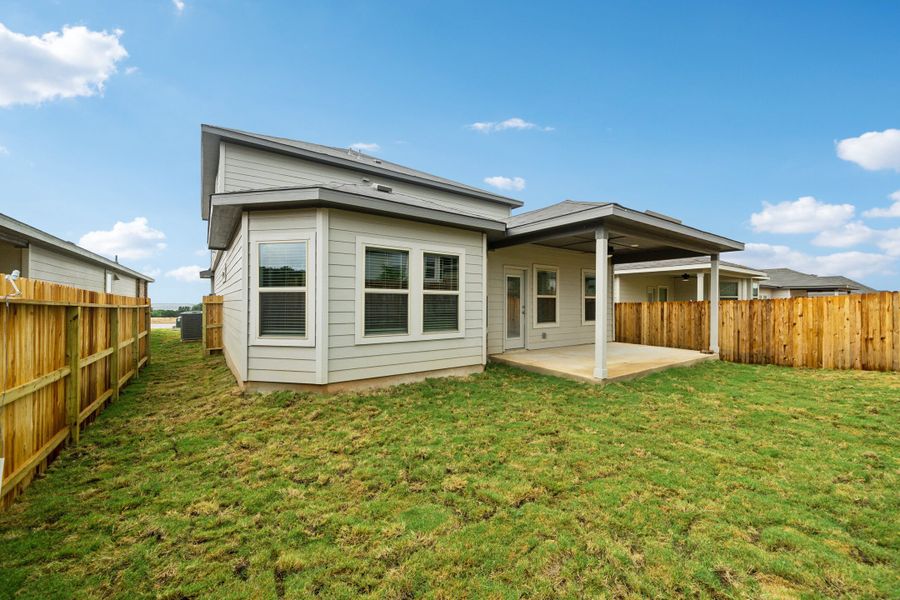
x=11 y=258
x=59 y=268
x=279 y=364
x=348 y=361
x=570 y=330
x=633 y=288
x=124 y=285
x=229 y=282
x=244 y=168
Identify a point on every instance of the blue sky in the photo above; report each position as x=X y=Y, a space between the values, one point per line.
x=729 y=116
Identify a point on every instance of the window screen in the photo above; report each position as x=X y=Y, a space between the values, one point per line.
x=386 y=292
x=440 y=301
x=282 y=289
x=546 y=296
x=590 y=297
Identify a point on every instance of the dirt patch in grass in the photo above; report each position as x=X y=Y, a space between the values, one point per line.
x=719 y=480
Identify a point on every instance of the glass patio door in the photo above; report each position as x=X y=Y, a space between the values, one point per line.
x=515 y=312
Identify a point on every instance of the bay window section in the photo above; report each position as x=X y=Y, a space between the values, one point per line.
x=283 y=289
x=546 y=291
x=386 y=292
x=589 y=293
x=440 y=292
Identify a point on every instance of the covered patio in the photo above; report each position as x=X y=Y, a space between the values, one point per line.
x=623 y=361
x=548 y=327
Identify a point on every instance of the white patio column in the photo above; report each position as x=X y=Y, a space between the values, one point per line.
x=700 y=276
x=601 y=318
x=714 y=303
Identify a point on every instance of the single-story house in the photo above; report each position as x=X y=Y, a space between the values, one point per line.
x=340 y=269
x=683 y=279
x=787 y=283
x=39 y=255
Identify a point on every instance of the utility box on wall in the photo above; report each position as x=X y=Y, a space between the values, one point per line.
x=191 y=326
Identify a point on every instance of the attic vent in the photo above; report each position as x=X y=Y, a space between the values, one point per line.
x=653 y=213
x=382 y=188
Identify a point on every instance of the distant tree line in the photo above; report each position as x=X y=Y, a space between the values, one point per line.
x=168 y=312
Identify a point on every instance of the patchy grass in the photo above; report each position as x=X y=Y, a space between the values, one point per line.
x=720 y=480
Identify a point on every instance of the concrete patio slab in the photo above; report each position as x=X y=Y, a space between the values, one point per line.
x=625 y=361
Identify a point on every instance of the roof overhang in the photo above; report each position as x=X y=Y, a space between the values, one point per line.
x=211 y=136
x=226 y=209
x=21 y=235
x=669 y=239
x=724 y=268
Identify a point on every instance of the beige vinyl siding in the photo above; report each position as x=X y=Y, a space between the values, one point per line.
x=570 y=330
x=11 y=259
x=348 y=361
x=52 y=266
x=254 y=169
x=230 y=281
x=124 y=285
x=279 y=364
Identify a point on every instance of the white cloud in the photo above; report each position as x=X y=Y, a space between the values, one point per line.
x=153 y=272
x=4 y=151
x=891 y=211
x=873 y=150
x=131 y=70
x=76 y=62
x=850 y=264
x=804 y=215
x=132 y=240
x=845 y=236
x=179 y=5
x=890 y=242
x=365 y=147
x=506 y=183
x=187 y=274
x=512 y=123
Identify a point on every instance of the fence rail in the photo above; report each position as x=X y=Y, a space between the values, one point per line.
x=856 y=331
x=212 y=323
x=65 y=352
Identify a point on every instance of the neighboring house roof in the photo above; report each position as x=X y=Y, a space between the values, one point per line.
x=344 y=157
x=18 y=232
x=693 y=262
x=795 y=280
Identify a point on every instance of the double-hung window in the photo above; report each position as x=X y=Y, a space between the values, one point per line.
x=589 y=296
x=546 y=287
x=728 y=290
x=282 y=289
x=386 y=291
x=440 y=292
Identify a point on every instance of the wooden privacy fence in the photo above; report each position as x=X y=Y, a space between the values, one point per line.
x=670 y=324
x=856 y=331
x=212 y=323
x=65 y=352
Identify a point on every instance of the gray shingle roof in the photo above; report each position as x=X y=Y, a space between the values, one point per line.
x=791 y=279
x=566 y=207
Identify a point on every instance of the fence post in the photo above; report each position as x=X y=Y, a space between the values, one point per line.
x=73 y=381
x=136 y=344
x=147 y=324
x=205 y=341
x=114 y=357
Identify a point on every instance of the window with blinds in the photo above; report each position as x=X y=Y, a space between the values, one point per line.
x=728 y=290
x=386 y=291
x=546 y=281
x=440 y=292
x=282 y=289
x=589 y=294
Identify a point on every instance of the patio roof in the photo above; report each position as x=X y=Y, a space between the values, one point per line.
x=634 y=236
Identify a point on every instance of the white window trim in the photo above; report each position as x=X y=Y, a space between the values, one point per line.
x=534 y=295
x=584 y=296
x=416 y=291
x=266 y=237
x=662 y=287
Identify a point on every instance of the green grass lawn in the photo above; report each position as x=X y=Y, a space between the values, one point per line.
x=720 y=480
